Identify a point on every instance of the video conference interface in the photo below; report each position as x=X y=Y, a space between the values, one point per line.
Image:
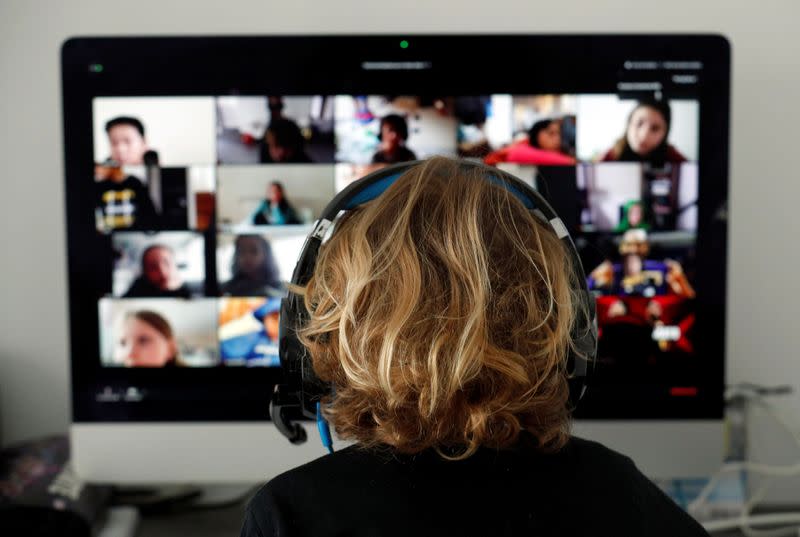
x=206 y=203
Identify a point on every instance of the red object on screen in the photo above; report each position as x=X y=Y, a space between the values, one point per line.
x=683 y=391
x=523 y=153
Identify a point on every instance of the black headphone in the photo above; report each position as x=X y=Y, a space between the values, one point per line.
x=303 y=390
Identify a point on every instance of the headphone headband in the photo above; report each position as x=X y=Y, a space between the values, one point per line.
x=376 y=183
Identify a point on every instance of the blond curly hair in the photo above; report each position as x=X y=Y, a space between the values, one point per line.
x=441 y=312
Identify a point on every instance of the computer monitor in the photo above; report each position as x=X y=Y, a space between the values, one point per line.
x=195 y=167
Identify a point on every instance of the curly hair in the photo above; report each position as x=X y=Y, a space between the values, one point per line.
x=441 y=312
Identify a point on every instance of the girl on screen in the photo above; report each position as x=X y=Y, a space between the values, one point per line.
x=645 y=137
x=275 y=210
x=542 y=147
x=253 y=268
x=146 y=339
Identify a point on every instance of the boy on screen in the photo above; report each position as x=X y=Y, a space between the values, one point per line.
x=122 y=201
x=127 y=141
x=160 y=275
x=393 y=136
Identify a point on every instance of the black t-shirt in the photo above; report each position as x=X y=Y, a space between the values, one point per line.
x=142 y=287
x=585 y=489
x=402 y=154
x=125 y=205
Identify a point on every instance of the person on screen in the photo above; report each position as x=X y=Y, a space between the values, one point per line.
x=283 y=143
x=645 y=137
x=393 y=136
x=633 y=217
x=542 y=147
x=472 y=114
x=546 y=135
x=275 y=106
x=636 y=274
x=160 y=276
x=275 y=210
x=254 y=271
x=145 y=339
x=441 y=315
x=249 y=331
x=127 y=140
x=122 y=201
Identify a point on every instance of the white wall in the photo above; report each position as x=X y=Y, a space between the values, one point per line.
x=765 y=187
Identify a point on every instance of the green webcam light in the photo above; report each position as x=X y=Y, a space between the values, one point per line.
x=96 y=67
x=403 y=44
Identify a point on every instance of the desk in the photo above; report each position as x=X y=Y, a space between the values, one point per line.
x=205 y=522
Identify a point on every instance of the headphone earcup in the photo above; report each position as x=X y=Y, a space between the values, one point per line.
x=295 y=357
x=582 y=357
x=288 y=344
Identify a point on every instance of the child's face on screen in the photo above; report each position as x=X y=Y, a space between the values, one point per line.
x=161 y=270
x=632 y=265
x=274 y=193
x=390 y=139
x=549 y=139
x=127 y=145
x=249 y=256
x=646 y=130
x=271 y=325
x=277 y=152
x=141 y=345
x=635 y=215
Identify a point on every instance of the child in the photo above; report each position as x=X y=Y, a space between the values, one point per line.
x=645 y=138
x=253 y=269
x=276 y=209
x=441 y=313
x=127 y=141
x=283 y=143
x=122 y=201
x=393 y=136
x=145 y=340
x=160 y=276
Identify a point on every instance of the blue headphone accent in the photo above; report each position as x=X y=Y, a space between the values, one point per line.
x=324 y=429
x=372 y=191
x=377 y=188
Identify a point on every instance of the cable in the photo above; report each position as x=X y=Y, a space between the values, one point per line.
x=745 y=521
x=765 y=519
x=752 y=393
x=766 y=469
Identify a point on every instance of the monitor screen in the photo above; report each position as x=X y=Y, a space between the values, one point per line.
x=196 y=167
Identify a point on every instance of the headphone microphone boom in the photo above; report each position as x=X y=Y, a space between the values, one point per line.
x=302 y=390
x=152 y=173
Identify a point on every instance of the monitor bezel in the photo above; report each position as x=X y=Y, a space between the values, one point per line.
x=334 y=64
